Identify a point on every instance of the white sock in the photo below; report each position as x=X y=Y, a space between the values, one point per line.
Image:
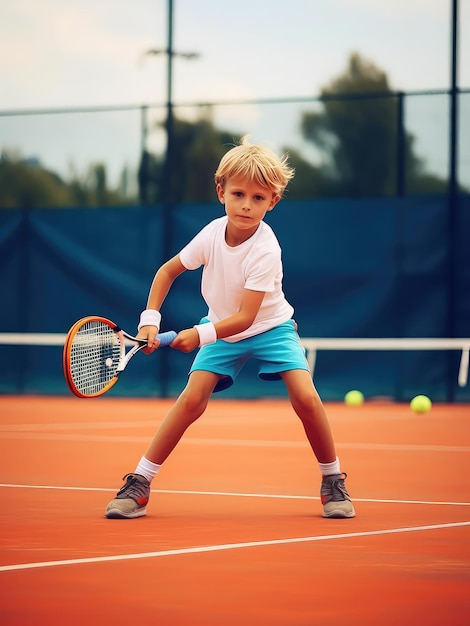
x=147 y=469
x=328 y=469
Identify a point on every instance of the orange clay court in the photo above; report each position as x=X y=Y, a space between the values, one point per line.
x=234 y=533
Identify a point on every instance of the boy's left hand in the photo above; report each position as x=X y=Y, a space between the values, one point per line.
x=186 y=340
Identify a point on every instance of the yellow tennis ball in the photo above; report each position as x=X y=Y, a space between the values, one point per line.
x=420 y=404
x=354 y=398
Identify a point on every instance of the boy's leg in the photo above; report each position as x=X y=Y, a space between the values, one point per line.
x=307 y=404
x=189 y=406
x=131 y=500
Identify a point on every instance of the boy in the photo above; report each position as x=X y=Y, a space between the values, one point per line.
x=248 y=317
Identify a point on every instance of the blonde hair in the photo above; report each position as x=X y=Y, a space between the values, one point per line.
x=256 y=163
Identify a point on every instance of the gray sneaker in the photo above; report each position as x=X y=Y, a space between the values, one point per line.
x=335 y=497
x=131 y=499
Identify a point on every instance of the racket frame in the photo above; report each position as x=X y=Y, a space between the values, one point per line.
x=124 y=357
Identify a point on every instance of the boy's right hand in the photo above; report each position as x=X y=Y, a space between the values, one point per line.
x=149 y=333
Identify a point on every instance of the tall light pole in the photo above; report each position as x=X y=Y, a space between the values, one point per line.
x=169 y=123
x=453 y=188
x=167 y=180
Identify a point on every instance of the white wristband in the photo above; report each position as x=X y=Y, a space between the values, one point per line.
x=207 y=333
x=150 y=317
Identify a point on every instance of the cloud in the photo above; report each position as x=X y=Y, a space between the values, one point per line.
x=400 y=9
x=57 y=53
x=71 y=52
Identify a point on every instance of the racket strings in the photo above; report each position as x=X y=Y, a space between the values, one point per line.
x=94 y=357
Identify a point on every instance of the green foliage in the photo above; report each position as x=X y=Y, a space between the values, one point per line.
x=196 y=151
x=310 y=181
x=26 y=184
x=358 y=133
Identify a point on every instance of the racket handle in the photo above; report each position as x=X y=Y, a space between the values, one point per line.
x=166 y=338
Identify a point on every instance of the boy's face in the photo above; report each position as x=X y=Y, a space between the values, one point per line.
x=246 y=202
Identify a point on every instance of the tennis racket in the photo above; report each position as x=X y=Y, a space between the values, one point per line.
x=95 y=355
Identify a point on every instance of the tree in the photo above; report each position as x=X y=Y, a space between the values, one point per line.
x=197 y=149
x=358 y=131
x=27 y=184
x=310 y=181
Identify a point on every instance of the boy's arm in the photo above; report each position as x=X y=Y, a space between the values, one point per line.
x=161 y=284
x=189 y=339
x=245 y=316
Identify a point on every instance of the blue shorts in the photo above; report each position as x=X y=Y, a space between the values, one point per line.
x=277 y=350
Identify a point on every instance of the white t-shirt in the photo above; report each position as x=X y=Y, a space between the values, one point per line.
x=227 y=271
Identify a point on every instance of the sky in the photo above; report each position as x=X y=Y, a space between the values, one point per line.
x=73 y=53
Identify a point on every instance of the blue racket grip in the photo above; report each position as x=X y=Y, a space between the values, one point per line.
x=166 y=338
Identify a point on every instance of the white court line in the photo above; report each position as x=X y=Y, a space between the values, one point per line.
x=233 y=494
x=246 y=443
x=228 y=546
x=42 y=432
x=77 y=426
